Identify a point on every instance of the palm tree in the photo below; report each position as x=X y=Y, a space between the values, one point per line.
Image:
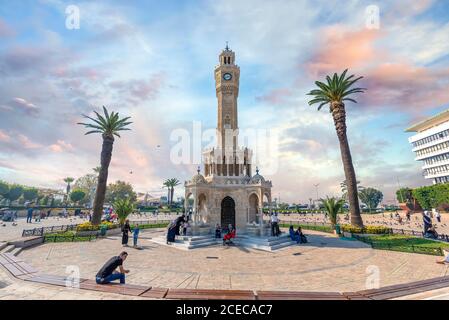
x=335 y=92
x=173 y=183
x=123 y=208
x=344 y=189
x=332 y=207
x=68 y=180
x=167 y=184
x=108 y=125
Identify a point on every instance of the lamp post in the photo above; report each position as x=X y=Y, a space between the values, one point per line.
x=316 y=189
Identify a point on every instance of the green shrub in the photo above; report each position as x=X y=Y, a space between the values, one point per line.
x=365 y=229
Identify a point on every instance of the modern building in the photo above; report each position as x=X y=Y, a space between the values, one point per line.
x=431 y=146
x=228 y=192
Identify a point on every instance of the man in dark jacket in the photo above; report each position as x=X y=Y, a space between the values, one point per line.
x=108 y=274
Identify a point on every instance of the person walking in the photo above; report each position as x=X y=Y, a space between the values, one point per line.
x=136 y=231
x=29 y=215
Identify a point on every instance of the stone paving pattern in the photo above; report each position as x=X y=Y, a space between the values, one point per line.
x=325 y=264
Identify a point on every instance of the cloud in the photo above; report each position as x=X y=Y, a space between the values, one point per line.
x=21 y=105
x=61 y=146
x=4 y=137
x=27 y=143
x=139 y=90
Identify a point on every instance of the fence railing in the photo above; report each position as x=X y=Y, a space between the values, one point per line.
x=56 y=237
x=419 y=234
x=72 y=227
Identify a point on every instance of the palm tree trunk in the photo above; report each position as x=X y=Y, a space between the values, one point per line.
x=172 y=191
x=106 y=155
x=339 y=115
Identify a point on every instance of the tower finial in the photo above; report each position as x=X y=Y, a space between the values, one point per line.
x=257 y=170
x=227 y=46
x=198 y=170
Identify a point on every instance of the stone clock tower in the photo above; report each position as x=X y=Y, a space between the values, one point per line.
x=227 y=75
x=228 y=193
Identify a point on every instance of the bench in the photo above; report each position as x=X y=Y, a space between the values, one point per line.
x=125 y=289
x=155 y=293
x=52 y=280
x=15 y=266
x=401 y=290
x=206 y=294
x=298 y=295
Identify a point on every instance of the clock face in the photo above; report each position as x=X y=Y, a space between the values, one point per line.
x=227 y=76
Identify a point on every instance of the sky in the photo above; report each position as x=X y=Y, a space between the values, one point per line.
x=154 y=61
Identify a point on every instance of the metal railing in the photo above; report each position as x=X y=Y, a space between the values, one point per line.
x=419 y=234
x=72 y=227
x=56 y=237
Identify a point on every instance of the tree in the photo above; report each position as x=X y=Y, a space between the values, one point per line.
x=120 y=190
x=88 y=184
x=344 y=189
x=167 y=184
x=77 y=195
x=404 y=195
x=30 y=194
x=108 y=125
x=371 y=197
x=68 y=180
x=123 y=208
x=332 y=207
x=173 y=183
x=334 y=93
x=15 y=191
x=4 y=189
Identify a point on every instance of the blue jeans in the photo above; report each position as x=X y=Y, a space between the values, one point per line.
x=135 y=240
x=111 y=277
x=29 y=218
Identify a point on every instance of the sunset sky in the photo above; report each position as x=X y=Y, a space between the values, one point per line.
x=154 y=61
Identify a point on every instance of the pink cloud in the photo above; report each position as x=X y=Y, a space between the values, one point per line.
x=61 y=146
x=21 y=104
x=276 y=96
x=391 y=80
x=140 y=89
x=4 y=137
x=27 y=143
x=342 y=48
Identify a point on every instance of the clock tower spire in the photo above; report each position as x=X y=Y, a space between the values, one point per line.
x=227 y=76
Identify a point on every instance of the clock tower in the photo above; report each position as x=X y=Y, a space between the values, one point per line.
x=227 y=75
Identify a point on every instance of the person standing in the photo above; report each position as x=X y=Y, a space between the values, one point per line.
x=426 y=220
x=274 y=225
x=125 y=229
x=108 y=274
x=29 y=215
x=437 y=215
x=136 y=231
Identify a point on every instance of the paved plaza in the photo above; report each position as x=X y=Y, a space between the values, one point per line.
x=327 y=263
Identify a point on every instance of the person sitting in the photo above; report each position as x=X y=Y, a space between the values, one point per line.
x=108 y=274
x=302 y=237
x=293 y=235
x=446 y=257
x=228 y=236
x=431 y=233
x=217 y=231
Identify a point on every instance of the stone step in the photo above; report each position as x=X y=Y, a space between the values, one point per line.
x=3 y=245
x=16 y=251
x=197 y=242
x=8 y=248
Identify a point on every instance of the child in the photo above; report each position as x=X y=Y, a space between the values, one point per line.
x=136 y=234
x=217 y=231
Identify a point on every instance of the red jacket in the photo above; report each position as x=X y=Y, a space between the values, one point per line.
x=230 y=235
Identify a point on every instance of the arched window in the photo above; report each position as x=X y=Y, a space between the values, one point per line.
x=227 y=122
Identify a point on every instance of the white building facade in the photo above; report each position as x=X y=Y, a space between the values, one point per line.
x=431 y=146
